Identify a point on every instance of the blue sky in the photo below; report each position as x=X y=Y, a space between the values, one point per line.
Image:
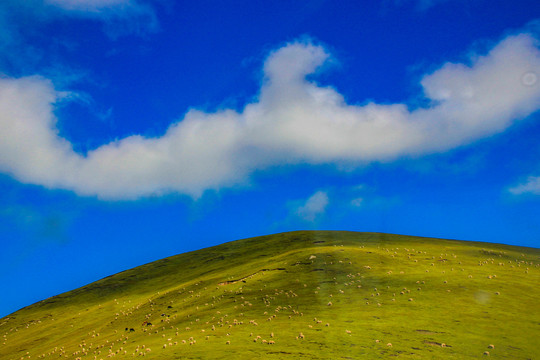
x=132 y=130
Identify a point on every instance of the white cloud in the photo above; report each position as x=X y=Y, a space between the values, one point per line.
x=293 y=121
x=314 y=206
x=532 y=185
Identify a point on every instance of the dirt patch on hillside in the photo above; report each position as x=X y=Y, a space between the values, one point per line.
x=228 y=282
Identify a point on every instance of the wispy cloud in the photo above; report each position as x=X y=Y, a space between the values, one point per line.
x=421 y=5
x=120 y=17
x=25 y=49
x=357 y=202
x=91 y=5
x=293 y=121
x=106 y=10
x=532 y=186
x=314 y=206
x=20 y=19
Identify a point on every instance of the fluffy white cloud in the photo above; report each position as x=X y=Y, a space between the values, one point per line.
x=532 y=185
x=314 y=206
x=293 y=121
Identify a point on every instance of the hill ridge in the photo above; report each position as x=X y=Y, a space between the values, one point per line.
x=309 y=294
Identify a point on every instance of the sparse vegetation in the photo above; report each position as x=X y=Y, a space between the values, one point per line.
x=269 y=297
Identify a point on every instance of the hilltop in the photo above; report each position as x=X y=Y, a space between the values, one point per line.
x=298 y=295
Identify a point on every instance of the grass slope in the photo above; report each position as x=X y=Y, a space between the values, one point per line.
x=299 y=295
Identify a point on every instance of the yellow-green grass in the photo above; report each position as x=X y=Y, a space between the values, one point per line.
x=314 y=294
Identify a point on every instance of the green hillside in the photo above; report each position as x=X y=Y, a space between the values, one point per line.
x=299 y=295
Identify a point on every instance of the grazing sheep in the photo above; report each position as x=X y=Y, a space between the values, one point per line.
x=486 y=353
x=491 y=346
x=389 y=344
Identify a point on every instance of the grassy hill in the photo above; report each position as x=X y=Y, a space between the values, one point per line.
x=299 y=295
